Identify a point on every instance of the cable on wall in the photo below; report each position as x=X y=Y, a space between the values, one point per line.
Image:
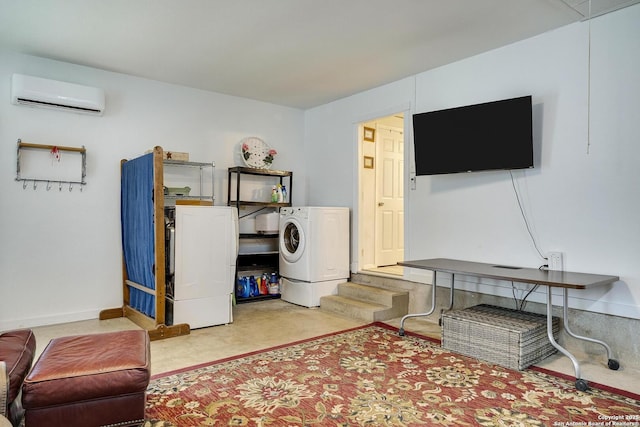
x=589 y=83
x=524 y=217
x=522 y=302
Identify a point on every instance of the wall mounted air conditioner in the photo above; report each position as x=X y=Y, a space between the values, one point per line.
x=44 y=93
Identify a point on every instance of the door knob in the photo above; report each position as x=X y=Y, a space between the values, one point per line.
x=380 y=203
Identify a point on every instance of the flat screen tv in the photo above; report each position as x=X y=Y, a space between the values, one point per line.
x=480 y=137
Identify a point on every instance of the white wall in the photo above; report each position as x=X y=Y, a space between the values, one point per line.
x=581 y=199
x=61 y=254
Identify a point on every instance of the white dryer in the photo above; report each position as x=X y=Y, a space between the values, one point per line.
x=314 y=252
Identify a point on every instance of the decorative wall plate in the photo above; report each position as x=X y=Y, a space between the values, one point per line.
x=256 y=153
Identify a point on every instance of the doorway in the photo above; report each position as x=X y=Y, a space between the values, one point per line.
x=381 y=194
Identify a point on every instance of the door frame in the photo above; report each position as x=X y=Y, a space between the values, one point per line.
x=357 y=224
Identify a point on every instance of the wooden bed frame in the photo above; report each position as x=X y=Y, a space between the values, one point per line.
x=156 y=327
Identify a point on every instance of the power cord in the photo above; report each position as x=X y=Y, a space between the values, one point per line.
x=524 y=217
x=523 y=301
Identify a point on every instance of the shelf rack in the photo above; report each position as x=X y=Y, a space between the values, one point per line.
x=265 y=260
x=238 y=171
x=201 y=166
x=50 y=148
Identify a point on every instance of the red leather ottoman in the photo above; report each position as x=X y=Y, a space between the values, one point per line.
x=89 y=380
x=17 y=350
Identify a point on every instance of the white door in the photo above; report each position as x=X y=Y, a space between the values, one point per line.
x=389 y=238
x=204 y=264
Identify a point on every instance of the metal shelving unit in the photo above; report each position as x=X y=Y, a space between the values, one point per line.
x=254 y=262
x=170 y=199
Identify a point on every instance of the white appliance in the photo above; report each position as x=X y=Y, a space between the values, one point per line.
x=267 y=223
x=202 y=265
x=314 y=252
x=307 y=294
x=53 y=94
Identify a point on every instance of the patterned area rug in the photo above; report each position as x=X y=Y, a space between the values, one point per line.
x=371 y=376
x=157 y=423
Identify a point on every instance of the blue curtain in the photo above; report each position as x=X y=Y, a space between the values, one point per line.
x=138 y=233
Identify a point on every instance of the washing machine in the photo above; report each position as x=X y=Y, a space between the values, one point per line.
x=314 y=252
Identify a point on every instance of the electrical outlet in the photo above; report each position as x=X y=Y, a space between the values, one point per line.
x=555 y=260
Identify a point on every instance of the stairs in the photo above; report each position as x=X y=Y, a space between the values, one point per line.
x=367 y=303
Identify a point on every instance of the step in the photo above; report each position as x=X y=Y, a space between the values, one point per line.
x=386 y=282
x=366 y=302
x=352 y=308
x=371 y=294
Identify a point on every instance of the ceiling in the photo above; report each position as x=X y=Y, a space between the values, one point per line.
x=297 y=53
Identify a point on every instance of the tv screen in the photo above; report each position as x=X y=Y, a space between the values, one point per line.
x=488 y=136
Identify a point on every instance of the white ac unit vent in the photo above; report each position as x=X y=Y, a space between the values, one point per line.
x=44 y=93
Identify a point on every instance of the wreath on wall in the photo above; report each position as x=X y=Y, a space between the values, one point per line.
x=256 y=153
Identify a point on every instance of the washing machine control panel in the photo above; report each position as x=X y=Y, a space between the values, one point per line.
x=302 y=212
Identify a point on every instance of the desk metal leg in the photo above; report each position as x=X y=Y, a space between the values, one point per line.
x=611 y=362
x=581 y=384
x=433 y=303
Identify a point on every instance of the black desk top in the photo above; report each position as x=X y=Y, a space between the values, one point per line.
x=559 y=279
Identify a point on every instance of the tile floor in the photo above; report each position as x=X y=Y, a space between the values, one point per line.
x=266 y=324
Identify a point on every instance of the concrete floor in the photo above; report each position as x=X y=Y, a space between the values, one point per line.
x=265 y=324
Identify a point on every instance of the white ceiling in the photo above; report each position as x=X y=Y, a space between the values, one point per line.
x=298 y=53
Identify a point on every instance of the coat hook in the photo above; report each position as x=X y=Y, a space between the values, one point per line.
x=70 y=186
x=35 y=184
x=24 y=184
x=59 y=185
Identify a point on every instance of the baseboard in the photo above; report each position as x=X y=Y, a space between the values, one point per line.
x=33 y=322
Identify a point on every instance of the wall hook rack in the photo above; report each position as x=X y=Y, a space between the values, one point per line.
x=49 y=184
x=55 y=151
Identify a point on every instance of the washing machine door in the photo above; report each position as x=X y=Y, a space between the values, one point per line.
x=292 y=240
